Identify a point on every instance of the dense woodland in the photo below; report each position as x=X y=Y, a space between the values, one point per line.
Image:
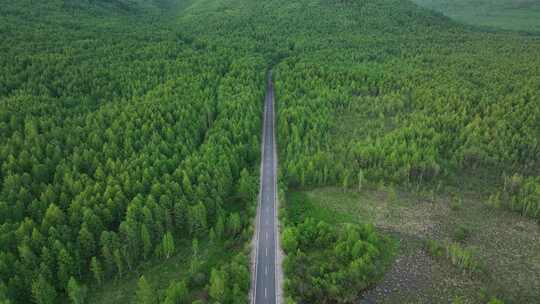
x=118 y=138
x=127 y=126
x=446 y=100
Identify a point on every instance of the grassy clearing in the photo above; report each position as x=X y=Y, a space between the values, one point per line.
x=521 y=15
x=486 y=251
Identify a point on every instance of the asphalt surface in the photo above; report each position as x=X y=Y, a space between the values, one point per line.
x=266 y=235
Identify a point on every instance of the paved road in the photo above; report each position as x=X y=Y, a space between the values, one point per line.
x=267 y=230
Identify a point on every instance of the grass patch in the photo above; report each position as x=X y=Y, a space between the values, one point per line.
x=462 y=233
x=463 y=258
x=521 y=15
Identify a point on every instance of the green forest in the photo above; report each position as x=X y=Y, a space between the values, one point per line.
x=130 y=135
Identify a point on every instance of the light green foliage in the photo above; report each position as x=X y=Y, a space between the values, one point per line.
x=435 y=248
x=234 y=224
x=462 y=233
x=198 y=219
x=177 y=293
x=457 y=300
x=495 y=300
x=361 y=179
x=289 y=242
x=462 y=257
x=523 y=195
x=246 y=187
x=392 y=194
x=43 y=292
x=145 y=292
x=217 y=285
x=76 y=292
x=220 y=227
x=167 y=245
x=331 y=264
x=97 y=271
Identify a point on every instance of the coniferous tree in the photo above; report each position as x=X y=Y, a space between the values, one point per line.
x=217 y=286
x=145 y=293
x=167 y=245
x=146 y=241
x=43 y=292
x=177 y=293
x=76 y=292
x=97 y=271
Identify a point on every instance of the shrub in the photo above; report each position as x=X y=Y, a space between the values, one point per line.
x=494 y=300
x=462 y=232
x=462 y=257
x=330 y=264
x=523 y=195
x=434 y=248
x=456 y=203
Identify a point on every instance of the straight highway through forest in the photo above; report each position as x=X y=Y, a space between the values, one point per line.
x=267 y=265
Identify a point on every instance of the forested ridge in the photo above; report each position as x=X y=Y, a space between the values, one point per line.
x=129 y=125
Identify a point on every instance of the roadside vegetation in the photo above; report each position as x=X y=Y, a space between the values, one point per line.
x=332 y=264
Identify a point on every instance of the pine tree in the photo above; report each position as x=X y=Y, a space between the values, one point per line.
x=167 y=245
x=76 y=293
x=177 y=293
x=43 y=292
x=186 y=184
x=96 y=269
x=220 y=226
x=244 y=185
x=198 y=220
x=65 y=266
x=119 y=262
x=217 y=286
x=234 y=224
x=146 y=241
x=86 y=242
x=145 y=294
